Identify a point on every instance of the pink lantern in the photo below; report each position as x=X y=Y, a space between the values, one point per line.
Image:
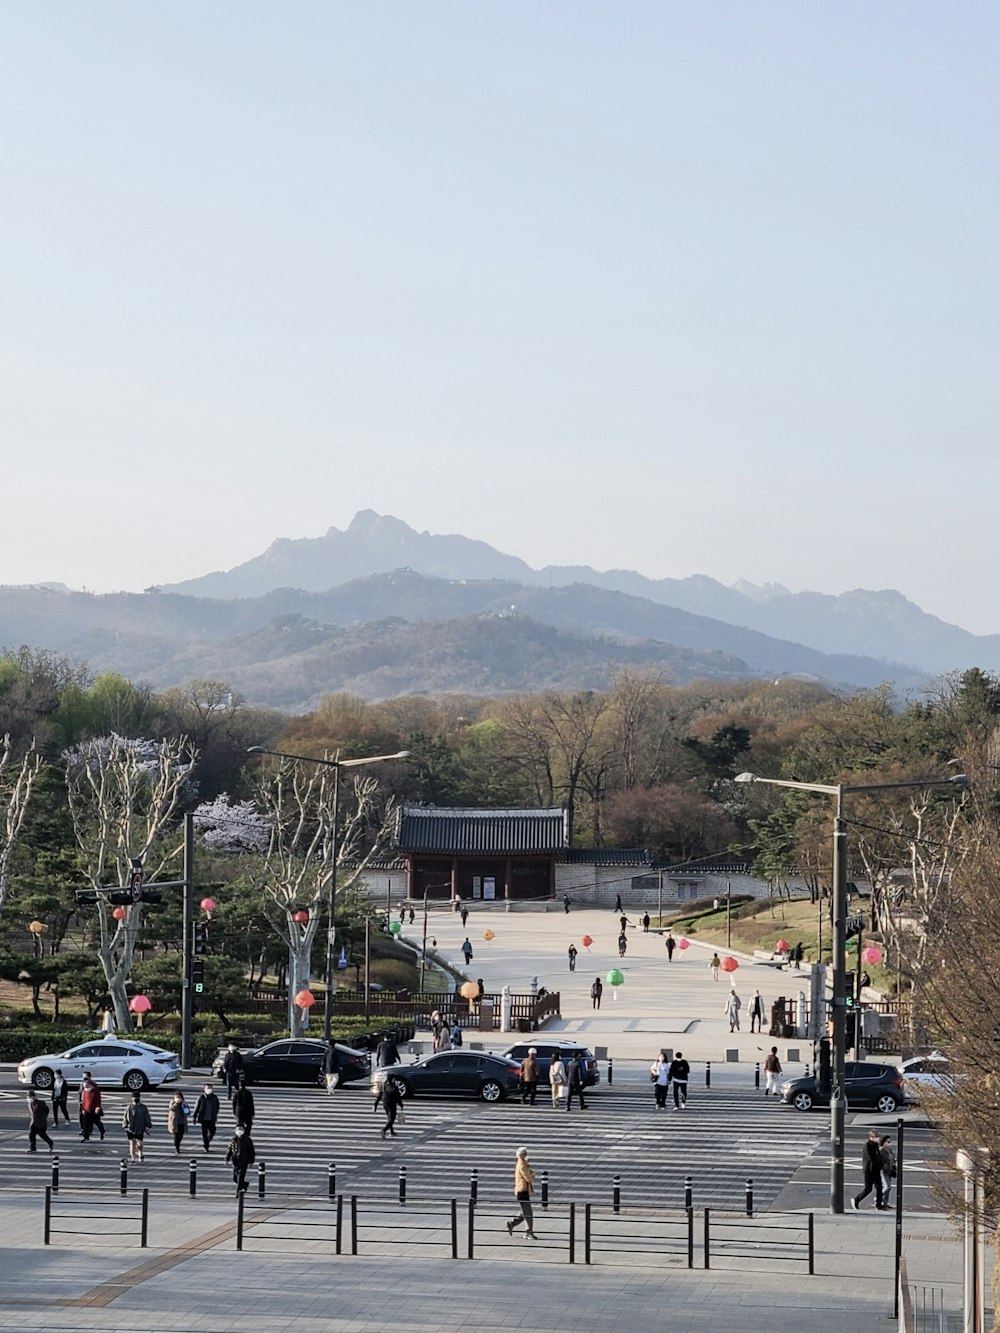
x=139 y=1005
x=300 y=917
x=684 y=944
x=873 y=954
x=120 y=913
x=586 y=941
x=304 y=999
x=782 y=946
x=208 y=905
x=729 y=964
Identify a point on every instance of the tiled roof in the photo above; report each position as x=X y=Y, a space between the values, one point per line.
x=720 y=865
x=431 y=829
x=607 y=856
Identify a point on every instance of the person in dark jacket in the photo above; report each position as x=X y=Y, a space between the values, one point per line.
x=37 y=1124
x=387 y=1053
x=177 y=1119
x=596 y=991
x=464 y=915
x=206 y=1114
x=243 y=1107
x=872 y=1162
x=60 y=1100
x=388 y=1097
x=136 y=1122
x=680 y=1072
x=232 y=1067
x=242 y=1154
x=574 y=1080
x=331 y=1068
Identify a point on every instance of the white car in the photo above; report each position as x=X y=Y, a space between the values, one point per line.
x=112 y=1063
x=921 y=1072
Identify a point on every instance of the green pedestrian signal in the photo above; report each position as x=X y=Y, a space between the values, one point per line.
x=198 y=977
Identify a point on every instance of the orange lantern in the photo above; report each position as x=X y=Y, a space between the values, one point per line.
x=37 y=927
x=469 y=990
x=488 y=935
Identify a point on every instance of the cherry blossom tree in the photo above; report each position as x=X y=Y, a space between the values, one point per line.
x=16 y=780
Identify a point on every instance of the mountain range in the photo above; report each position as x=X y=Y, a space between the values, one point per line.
x=380 y=609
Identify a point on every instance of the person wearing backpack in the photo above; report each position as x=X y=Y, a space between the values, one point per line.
x=137 y=1123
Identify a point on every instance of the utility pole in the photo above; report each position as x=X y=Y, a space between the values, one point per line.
x=187 y=989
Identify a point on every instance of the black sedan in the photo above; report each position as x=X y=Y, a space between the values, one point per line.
x=455 y=1074
x=296 y=1060
x=866 y=1083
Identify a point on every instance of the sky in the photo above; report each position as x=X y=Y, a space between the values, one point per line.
x=678 y=288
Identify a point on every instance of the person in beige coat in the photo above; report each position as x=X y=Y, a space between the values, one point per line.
x=524 y=1183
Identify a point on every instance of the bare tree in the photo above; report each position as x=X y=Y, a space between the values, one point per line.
x=124 y=796
x=16 y=781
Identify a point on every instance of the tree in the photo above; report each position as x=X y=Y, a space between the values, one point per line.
x=17 y=777
x=124 y=798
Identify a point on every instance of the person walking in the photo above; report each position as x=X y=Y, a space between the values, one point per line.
x=624 y=922
x=242 y=1154
x=387 y=1053
x=680 y=1072
x=871 y=1161
x=772 y=1072
x=243 y=1107
x=444 y=1037
x=757 y=1013
x=660 y=1074
x=566 y=903
x=732 y=1009
x=529 y=1077
x=137 y=1123
x=206 y=1114
x=90 y=1109
x=177 y=1119
x=38 y=1119
x=557 y=1079
x=671 y=944
x=60 y=1099
x=645 y=923
x=575 y=1074
x=622 y=944
x=888 y=1159
x=464 y=915
x=456 y=1036
x=618 y=903
x=232 y=1067
x=714 y=964
x=467 y=950
x=524 y=1184
x=390 y=1099
x=331 y=1068
x=572 y=952
x=412 y=915
x=596 y=991
x=796 y=956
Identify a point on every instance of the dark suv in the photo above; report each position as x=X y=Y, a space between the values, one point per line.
x=865 y=1084
x=546 y=1052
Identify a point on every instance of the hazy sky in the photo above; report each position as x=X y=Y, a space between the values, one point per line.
x=676 y=287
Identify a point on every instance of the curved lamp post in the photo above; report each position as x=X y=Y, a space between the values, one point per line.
x=331 y=896
x=838 y=1103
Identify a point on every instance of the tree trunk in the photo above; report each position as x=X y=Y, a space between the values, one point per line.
x=299 y=969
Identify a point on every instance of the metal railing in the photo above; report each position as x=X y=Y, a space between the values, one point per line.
x=106 y=1219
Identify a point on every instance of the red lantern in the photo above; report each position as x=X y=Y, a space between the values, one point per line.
x=300 y=917
x=782 y=946
x=304 y=999
x=208 y=905
x=684 y=944
x=120 y=913
x=586 y=941
x=873 y=954
x=729 y=964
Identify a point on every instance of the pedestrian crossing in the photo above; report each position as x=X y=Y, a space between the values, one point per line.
x=723 y=1137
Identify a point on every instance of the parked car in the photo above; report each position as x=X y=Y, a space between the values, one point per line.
x=866 y=1083
x=296 y=1060
x=455 y=1074
x=921 y=1072
x=546 y=1052
x=111 y=1062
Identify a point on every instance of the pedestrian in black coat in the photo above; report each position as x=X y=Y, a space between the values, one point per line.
x=60 y=1100
x=574 y=1081
x=206 y=1113
x=243 y=1108
x=387 y=1053
x=872 y=1162
x=242 y=1154
x=232 y=1067
x=37 y=1125
x=680 y=1072
x=388 y=1096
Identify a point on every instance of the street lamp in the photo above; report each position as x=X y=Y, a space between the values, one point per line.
x=331 y=895
x=838 y=1103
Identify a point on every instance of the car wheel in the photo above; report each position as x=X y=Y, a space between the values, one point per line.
x=401 y=1087
x=136 y=1081
x=887 y=1103
x=803 y=1101
x=42 y=1078
x=491 y=1091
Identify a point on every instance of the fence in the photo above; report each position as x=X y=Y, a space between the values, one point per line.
x=528 y=1010
x=107 y=1218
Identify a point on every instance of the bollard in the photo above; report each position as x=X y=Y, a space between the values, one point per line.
x=402 y=1184
x=688 y=1194
x=124 y=1175
x=616 y=1194
x=611 y=1071
x=545 y=1189
x=474 y=1185
x=756 y=1075
x=807 y=1071
x=749 y=1196
x=193 y=1178
x=55 y=1174
x=708 y=1073
x=261 y=1179
x=331 y=1181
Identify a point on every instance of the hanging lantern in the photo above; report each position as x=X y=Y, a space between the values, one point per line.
x=469 y=990
x=615 y=978
x=300 y=917
x=586 y=941
x=139 y=1005
x=120 y=913
x=729 y=964
x=489 y=935
x=873 y=954
x=37 y=927
x=782 y=946
x=208 y=905
x=304 y=999
x=684 y=944
x=394 y=927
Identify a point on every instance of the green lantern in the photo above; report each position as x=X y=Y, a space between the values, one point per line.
x=615 y=979
x=394 y=927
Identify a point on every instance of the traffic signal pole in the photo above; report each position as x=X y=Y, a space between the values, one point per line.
x=187 y=989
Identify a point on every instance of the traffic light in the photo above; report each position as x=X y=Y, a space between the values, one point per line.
x=86 y=896
x=200 y=945
x=150 y=897
x=118 y=898
x=198 y=977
